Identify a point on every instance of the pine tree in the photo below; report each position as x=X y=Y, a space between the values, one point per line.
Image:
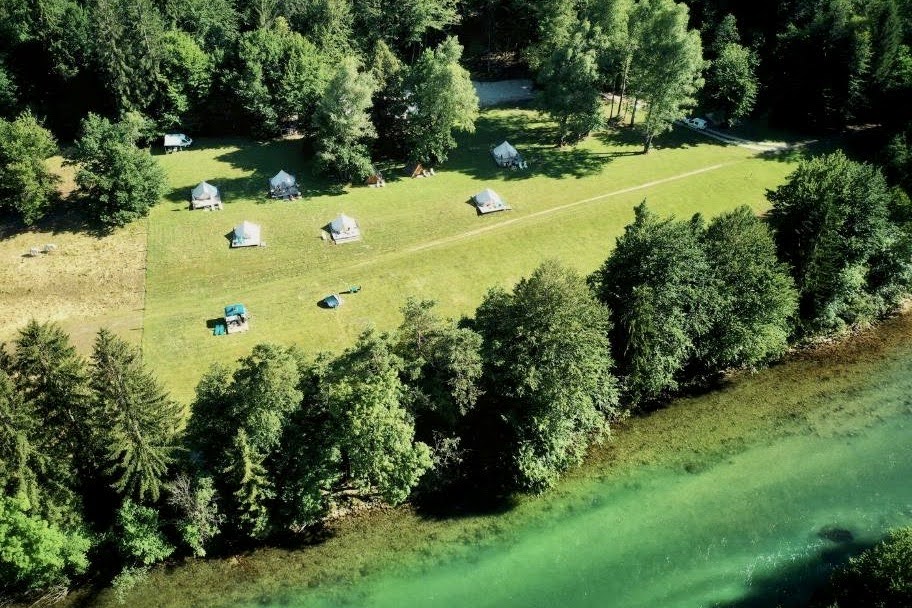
x=252 y=489
x=53 y=381
x=17 y=424
x=139 y=421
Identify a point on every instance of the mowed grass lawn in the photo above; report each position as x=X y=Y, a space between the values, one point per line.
x=421 y=236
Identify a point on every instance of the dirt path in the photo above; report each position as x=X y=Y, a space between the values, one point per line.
x=538 y=214
x=756 y=146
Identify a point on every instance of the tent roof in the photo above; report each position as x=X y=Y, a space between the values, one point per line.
x=343 y=223
x=177 y=139
x=487 y=197
x=281 y=178
x=247 y=230
x=204 y=191
x=505 y=150
x=235 y=309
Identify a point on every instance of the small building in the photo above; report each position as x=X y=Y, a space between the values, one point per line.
x=488 y=201
x=344 y=229
x=236 y=318
x=205 y=196
x=283 y=185
x=176 y=141
x=246 y=234
x=506 y=155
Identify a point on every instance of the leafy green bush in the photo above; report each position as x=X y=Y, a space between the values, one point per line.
x=881 y=577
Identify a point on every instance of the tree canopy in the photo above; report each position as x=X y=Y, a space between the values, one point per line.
x=833 y=227
x=118 y=181
x=549 y=369
x=27 y=186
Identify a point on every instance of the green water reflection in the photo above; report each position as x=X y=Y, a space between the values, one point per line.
x=759 y=528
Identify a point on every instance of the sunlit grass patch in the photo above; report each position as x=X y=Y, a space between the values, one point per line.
x=421 y=236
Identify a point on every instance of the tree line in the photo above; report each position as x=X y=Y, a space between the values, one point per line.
x=364 y=86
x=102 y=472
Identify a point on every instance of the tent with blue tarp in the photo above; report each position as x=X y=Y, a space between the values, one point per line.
x=235 y=309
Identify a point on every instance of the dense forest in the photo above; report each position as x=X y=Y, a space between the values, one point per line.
x=102 y=474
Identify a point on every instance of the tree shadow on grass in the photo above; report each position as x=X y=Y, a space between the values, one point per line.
x=534 y=138
x=265 y=159
x=66 y=217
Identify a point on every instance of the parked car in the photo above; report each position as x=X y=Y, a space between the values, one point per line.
x=696 y=123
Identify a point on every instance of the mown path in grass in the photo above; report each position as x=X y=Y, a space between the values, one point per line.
x=421 y=237
x=742 y=497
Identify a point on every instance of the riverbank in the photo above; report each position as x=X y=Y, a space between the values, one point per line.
x=814 y=394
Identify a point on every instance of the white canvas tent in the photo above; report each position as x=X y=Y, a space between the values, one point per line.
x=505 y=154
x=488 y=201
x=282 y=179
x=344 y=229
x=246 y=234
x=205 y=195
x=176 y=141
x=283 y=185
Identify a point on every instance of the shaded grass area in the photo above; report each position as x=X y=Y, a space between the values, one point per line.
x=813 y=394
x=420 y=236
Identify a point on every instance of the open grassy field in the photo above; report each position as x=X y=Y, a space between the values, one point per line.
x=421 y=237
x=90 y=281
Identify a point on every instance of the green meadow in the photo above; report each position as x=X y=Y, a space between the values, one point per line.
x=421 y=236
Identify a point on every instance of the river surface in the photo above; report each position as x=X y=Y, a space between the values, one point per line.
x=760 y=527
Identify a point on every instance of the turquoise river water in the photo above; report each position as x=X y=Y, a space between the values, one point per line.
x=760 y=528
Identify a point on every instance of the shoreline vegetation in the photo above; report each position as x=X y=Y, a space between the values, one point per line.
x=690 y=434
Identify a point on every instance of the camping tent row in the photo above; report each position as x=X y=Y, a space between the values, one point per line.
x=283 y=185
x=506 y=155
x=343 y=229
x=205 y=196
x=488 y=201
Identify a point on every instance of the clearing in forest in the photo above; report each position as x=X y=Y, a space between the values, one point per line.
x=421 y=236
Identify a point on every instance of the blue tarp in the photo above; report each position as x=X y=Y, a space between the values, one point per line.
x=332 y=301
x=235 y=309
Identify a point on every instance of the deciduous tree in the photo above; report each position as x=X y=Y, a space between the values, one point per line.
x=732 y=83
x=668 y=66
x=570 y=85
x=377 y=434
x=549 y=370
x=118 y=181
x=757 y=297
x=343 y=126
x=833 y=227
x=35 y=554
x=658 y=285
x=441 y=100
x=27 y=186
